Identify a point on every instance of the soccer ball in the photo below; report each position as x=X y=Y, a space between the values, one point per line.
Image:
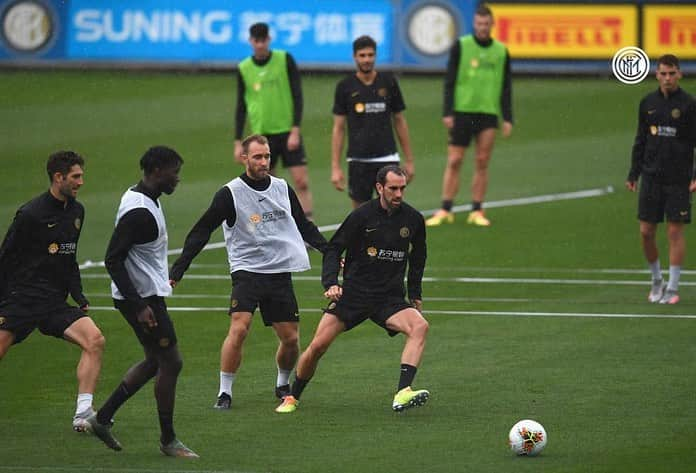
x=527 y=437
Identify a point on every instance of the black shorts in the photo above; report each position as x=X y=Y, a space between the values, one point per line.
x=657 y=201
x=22 y=319
x=279 y=149
x=353 y=310
x=468 y=125
x=160 y=337
x=362 y=177
x=273 y=294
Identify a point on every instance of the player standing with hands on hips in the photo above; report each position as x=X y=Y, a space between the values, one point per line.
x=663 y=159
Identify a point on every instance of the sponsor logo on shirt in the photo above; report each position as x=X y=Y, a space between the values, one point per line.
x=371 y=251
x=371 y=107
x=668 y=131
x=69 y=248
x=391 y=255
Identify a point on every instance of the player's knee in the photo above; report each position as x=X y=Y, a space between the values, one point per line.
x=420 y=328
x=317 y=349
x=647 y=235
x=301 y=183
x=95 y=342
x=482 y=163
x=454 y=163
x=291 y=340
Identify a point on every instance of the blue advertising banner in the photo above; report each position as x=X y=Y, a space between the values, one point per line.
x=195 y=32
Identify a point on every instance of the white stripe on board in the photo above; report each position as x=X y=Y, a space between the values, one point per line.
x=583 y=194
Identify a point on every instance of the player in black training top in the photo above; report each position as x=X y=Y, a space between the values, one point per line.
x=136 y=260
x=370 y=103
x=38 y=269
x=380 y=238
x=663 y=158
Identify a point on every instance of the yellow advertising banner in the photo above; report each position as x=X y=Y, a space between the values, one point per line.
x=565 y=31
x=670 y=29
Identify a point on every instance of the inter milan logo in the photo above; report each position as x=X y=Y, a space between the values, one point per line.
x=2 y=321
x=77 y=223
x=630 y=65
x=404 y=232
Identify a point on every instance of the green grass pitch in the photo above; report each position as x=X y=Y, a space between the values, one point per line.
x=543 y=315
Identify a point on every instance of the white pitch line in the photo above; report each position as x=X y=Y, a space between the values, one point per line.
x=462 y=312
x=560 y=314
x=426 y=213
x=468 y=280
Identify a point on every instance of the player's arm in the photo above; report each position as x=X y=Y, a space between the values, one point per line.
x=506 y=97
x=221 y=209
x=309 y=231
x=416 y=263
x=347 y=233
x=240 y=117
x=338 y=134
x=638 y=150
x=14 y=237
x=297 y=102
x=75 y=284
x=401 y=128
x=136 y=227
x=450 y=82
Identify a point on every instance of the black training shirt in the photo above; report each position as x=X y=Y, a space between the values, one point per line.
x=665 y=139
x=38 y=258
x=378 y=247
x=222 y=210
x=368 y=110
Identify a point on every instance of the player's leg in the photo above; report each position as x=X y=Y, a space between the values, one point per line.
x=300 y=179
x=84 y=333
x=450 y=185
x=288 y=334
x=677 y=252
x=6 y=340
x=231 y=356
x=361 y=182
x=651 y=209
x=479 y=182
x=411 y=323
x=328 y=329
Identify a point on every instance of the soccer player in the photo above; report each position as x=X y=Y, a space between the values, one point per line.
x=380 y=239
x=478 y=89
x=265 y=230
x=38 y=269
x=663 y=159
x=269 y=91
x=136 y=260
x=370 y=103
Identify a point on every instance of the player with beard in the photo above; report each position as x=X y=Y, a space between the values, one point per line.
x=370 y=103
x=380 y=238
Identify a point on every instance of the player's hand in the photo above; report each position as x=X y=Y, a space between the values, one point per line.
x=692 y=186
x=146 y=318
x=84 y=308
x=507 y=129
x=448 y=121
x=172 y=283
x=294 y=139
x=337 y=179
x=410 y=169
x=417 y=304
x=334 y=292
x=238 y=151
x=631 y=185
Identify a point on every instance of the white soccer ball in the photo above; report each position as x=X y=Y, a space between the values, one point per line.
x=527 y=437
